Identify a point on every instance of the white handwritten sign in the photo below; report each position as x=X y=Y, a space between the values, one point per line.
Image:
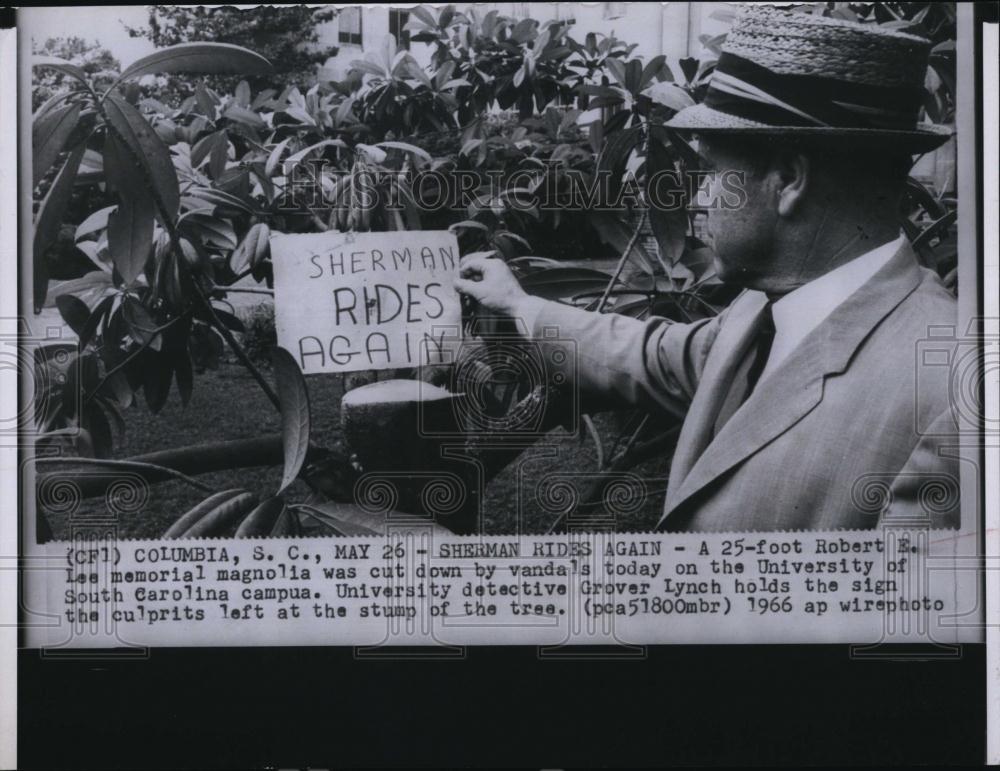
x=354 y=301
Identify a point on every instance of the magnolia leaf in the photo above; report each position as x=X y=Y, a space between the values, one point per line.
x=93 y=251
x=215 y=515
x=201 y=149
x=49 y=135
x=210 y=230
x=295 y=158
x=194 y=515
x=242 y=95
x=670 y=95
x=244 y=115
x=253 y=249
x=183 y=374
x=63 y=66
x=140 y=324
x=130 y=236
x=123 y=172
x=375 y=154
x=95 y=222
x=370 y=68
x=407 y=148
x=275 y=156
x=148 y=149
x=294 y=400
x=262 y=519
x=50 y=217
x=89 y=288
x=468 y=224
x=218 y=155
x=667 y=214
x=209 y=58
x=344 y=519
x=74 y=312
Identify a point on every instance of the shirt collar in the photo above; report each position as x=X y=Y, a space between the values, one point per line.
x=820 y=296
x=800 y=311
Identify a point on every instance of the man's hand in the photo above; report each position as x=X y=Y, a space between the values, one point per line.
x=491 y=283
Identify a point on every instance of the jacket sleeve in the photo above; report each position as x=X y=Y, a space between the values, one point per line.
x=652 y=364
x=927 y=488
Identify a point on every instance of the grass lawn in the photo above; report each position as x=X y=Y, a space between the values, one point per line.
x=227 y=404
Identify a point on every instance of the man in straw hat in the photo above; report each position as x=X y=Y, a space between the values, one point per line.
x=803 y=406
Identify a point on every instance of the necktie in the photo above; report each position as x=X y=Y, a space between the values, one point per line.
x=750 y=369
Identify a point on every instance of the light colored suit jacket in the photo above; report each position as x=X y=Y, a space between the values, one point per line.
x=851 y=427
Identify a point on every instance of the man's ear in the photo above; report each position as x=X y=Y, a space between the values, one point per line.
x=793 y=175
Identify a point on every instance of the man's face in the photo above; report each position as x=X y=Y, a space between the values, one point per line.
x=742 y=213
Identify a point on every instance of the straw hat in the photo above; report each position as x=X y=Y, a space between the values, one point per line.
x=784 y=72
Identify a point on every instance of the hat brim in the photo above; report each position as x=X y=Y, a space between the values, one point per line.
x=704 y=119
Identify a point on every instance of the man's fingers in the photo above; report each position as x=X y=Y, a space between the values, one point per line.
x=467 y=287
x=474 y=264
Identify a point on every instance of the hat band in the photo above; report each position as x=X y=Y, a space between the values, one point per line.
x=746 y=90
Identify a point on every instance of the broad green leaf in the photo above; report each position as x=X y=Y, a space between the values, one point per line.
x=157 y=372
x=123 y=172
x=262 y=519
x=667 y=214
x=210 y=229
x=407 y=148
x=94 y=319
x=295 y=158
x=242 y=94
x=254 y=248
x=140 y=324
x=89 y=288
x=63 y=66
x=244 y=115
x=218 y=516
x=218 y=155
x=375 y=154
x=49 y=135
x=670 y=95
x=194 y=515
x=183 y=374
x=148 y=149
x=50 y=217
x=130 y=236
x=656 y=64
x=93 y=251
x=617 y=69
x=294 y=399
x=205 y=101
x=213 y=197
x=344 y=518
x=469 y=224
x=208 y=58
x=74 y=312
x=202 y=148
x=275 y=156
x=350 y=519
x=369 y=68
x=95 y=222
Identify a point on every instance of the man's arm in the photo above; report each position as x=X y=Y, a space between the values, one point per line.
x=928 y=484
x=654 y=364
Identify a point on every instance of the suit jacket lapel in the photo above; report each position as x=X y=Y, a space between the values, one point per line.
x=793 y=389
x=727 y=352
